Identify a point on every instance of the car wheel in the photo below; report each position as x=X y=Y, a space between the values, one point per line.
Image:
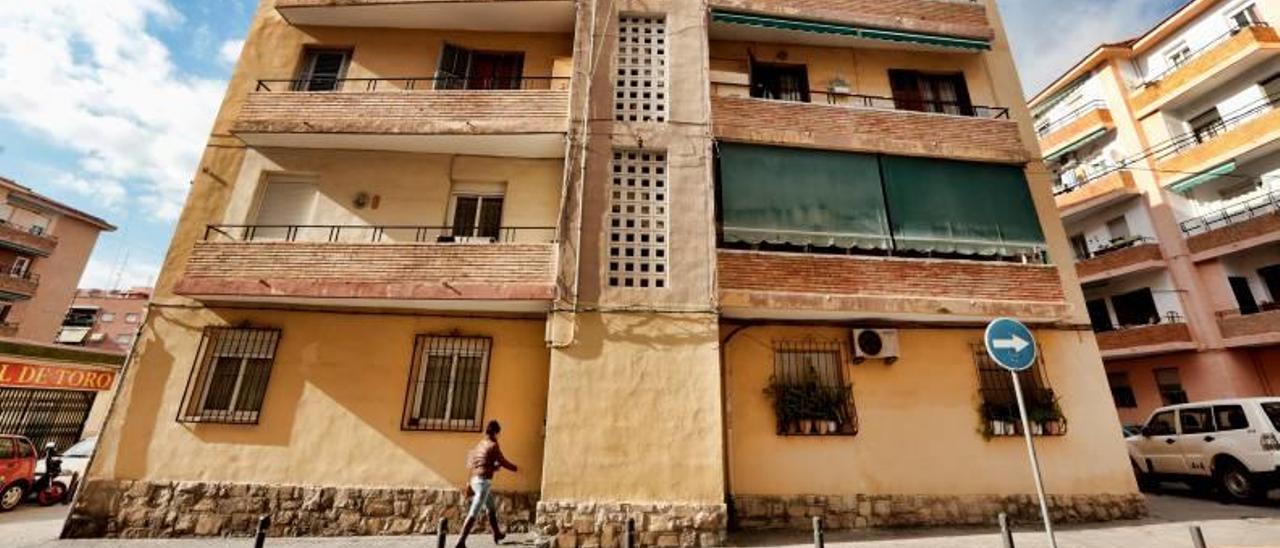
x=1236 y=484
x=11 y=497
x=1146 y=483
x=52 y=494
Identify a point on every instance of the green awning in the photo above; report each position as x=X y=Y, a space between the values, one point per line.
x=1191 y=181
x=800 y=25
x=1074 y=145
x=942 y=206
x=801 y=197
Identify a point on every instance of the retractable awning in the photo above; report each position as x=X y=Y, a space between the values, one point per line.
x=73 y=335
x=1074 y=145
x=816 y=27
x=1191 y=181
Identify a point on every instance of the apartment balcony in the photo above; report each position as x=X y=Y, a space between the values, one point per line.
x=23 y=240
x=1131 y=257
x=1147 y=340
x=1262 y=328
x=860 y=123
x=17 y=286
x=776 y=285
x=522 y=117
x=1249 y=132
x=437 y=268
x=1098 y=191
x=1248 y=223
x=1223 y=59
x=1075 y=129
x=472 y=15
x=935 y=23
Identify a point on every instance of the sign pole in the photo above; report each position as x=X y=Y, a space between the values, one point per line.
x=1035 y=462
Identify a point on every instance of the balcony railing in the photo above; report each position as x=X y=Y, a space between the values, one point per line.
x=389 y=234
x=1237 y=324
x=1243 y=210
x=1217 y=41
x=1066 y=119
x=1085 y=175
x=1203 y=135
x=413 y=83
x=854 y=100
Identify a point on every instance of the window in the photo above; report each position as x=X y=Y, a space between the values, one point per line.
x=131 y=317
x=322 y=70
x=124 y=339
x=284 y=203
x=1169 y=383
x=1080 y=246
x=1099 y=315
x=447 y=383
x=1244 y=295
x=1271 y=279
x=37 y=230
x=107 y=317
x=1161 y=424
x=999 y=410
x=477 y=211
x=5 y=309
x=97 y=337
x=810 y=393
x=1197 y=420
x=462 y=68
x=1177 y=55
x=638 y=220
x=1121 y=392
x=1271 y=88
x=1118 y=228
x=640 y=87
x=1272 y=411
x=19 y=267
x=1245 y=17
x=1207 y=125
x=780 y=82
x=1136 y=308
x=26 y=450
x=1230 y=417
x=229 y=378
x=7 y=451
x=923 y=92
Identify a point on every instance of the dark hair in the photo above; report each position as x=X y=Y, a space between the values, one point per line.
x=492 y=428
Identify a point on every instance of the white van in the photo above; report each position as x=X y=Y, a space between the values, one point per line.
x=1233 y=445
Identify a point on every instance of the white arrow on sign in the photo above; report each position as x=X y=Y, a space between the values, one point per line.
x=1016 y=343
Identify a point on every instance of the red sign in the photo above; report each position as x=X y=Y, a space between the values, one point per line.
x=48 y=376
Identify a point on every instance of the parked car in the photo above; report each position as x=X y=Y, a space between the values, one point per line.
x=1231 y=445
x=1130 y=430
x=17 y=470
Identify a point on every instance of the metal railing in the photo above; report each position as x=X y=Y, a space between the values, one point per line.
x=412 y=83
x=854 y=100
x=1208 y=133
x=388 y=234
x=1119 y=244
x=1266 y=204
x=6 y=271
x=1173 y=67
x=1091 y=175
x=34 y=231
x=1065 y=119
x=1261 y=308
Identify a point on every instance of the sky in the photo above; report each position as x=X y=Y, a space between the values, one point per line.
x=106 y=104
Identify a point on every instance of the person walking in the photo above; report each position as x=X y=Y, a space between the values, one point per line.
x=483 y=462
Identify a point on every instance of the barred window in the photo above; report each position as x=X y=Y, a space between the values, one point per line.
x=447 y=383
x=809 y=389
x=229 y=379
x=1000 y=416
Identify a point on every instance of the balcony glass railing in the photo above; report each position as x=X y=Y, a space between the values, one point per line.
x=381 y=234
x=413 y=83
x=854 y=100
x=1187 y=58
x=1255 y=204
x=1043 y=128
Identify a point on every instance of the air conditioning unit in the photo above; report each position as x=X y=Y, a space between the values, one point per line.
x=874 y=344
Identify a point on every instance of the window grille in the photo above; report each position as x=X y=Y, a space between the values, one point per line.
x=999 y=409
x=641 y=85
x=638 y=220
x=447 y=382
x=229 y=379
x=810 y=390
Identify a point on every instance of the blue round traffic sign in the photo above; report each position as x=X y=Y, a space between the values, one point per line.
x=1010 y=344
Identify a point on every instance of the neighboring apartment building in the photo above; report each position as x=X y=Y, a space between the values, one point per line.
x=654 y=238
x=105 y=319
x=1167 y=153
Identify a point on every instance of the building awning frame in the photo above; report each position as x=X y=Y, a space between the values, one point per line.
x=817 y=27
x=1194 y=180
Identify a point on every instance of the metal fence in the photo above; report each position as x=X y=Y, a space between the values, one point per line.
x=448 y=380
x=853 y=100
x=378 y=234
x=1266 y=204
x=45 y=416
x=413 y=83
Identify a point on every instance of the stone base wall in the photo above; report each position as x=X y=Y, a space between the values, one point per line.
x=603 y=525
x=143 y=509
x=752 y=512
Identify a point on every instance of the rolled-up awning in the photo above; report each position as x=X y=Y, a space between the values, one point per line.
x=800 y=25
x=1074 y=145
x=1196 y=179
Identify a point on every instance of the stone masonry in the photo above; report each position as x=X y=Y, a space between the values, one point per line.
x=142 y=509
x=603 y=525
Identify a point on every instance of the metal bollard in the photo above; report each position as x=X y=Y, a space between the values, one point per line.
x=629 y=538
x=442 y=533
x=1005 y=533
x=260 y=536
x=1197 y=537
x=818 y=541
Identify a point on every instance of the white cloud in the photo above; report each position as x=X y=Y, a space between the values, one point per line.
x=88 y=76
x=229 y=53
x=119 y=274
x=107 y=193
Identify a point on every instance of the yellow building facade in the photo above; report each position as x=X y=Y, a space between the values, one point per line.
x=711 y=266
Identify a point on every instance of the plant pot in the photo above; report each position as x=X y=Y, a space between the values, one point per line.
x=833 y=427
x=1053 y=428
x=793 y=427
x=806 y=426
x=821 y=427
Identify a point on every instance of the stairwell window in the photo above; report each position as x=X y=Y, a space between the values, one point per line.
x=447 y=382
x=322 y=70
x=229 y=379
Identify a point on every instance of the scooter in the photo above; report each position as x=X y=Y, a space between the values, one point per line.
x=48 y=489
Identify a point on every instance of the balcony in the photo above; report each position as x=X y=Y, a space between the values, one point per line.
x=1133 y=256
x=861 y=123
x=1250 y=131
x=1146 y=340
x=1262 y=328
x=931 y=18
x=23 y=240
x=1102 y=189
x=524 y=117
x=438 y=268
x=1247 y=223
x=774 y=285
x=1074 y=129
x=472 y=15
x=1221 y=60
x=17 y=286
